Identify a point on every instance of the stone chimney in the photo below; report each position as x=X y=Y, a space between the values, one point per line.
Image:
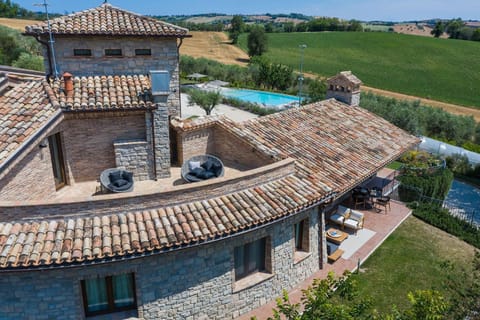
x=160 y=87
x=344 y=87
x=68 y=82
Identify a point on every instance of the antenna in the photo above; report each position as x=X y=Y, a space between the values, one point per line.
x=50 y=39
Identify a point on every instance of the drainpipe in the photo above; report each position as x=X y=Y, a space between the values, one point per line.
x=152 y=121
x=180 y=93
x=49 y=54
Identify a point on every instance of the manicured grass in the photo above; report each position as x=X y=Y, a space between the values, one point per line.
x=410 y=259
x=395 y=165
x=441 y=69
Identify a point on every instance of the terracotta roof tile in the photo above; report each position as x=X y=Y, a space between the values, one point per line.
x=23 y=111
x=335 y=147
x=103 y=93
x=334 y=144
x=70 y=241
x=107 y=20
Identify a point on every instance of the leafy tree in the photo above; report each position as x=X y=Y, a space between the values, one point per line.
x=476 y=35
x=438 y=30
x=453 y=28
x=355 y=25
x=207 y=100
x=237 y=28
x=28 y=61
x=257 y=42
x=9 y=49
x=316 y=90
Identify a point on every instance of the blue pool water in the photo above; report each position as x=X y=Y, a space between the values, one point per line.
x=465 y=196
x=261 y=97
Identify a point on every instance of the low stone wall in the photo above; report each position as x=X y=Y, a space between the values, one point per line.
x=134 y=156
x=123 y=202
x=193 y=283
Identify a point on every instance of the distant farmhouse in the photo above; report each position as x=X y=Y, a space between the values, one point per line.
x=168 y=249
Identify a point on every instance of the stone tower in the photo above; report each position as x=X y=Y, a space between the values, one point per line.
x=344 y=87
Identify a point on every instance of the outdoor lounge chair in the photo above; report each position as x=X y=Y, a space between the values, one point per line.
x=202 y=167
x=117 y=180
x=341 y=214
x=354 y=221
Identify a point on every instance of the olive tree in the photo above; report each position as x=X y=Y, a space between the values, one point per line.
x=207 y=100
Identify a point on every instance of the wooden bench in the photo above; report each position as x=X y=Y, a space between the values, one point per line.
x=335 y=255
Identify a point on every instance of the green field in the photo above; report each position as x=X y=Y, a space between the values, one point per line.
x=441 y=69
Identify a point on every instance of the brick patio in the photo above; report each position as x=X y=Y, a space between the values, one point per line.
x=383 y=225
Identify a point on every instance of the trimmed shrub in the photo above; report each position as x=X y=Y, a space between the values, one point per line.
x=439 y=217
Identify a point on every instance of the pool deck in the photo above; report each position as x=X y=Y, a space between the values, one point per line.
x=234 y=114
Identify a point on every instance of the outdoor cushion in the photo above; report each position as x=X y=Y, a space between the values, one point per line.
x=120 y=182
x=355 y=215
x=351 y=223
x=114 y=176
x=207 y=165
x=217 y=169
x=338 y=219
x=197 y=171
x=193 y=165
x=343 y=211
x=206 y=175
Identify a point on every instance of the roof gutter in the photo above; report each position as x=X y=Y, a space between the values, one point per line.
x=171 y=249
x=16 y=154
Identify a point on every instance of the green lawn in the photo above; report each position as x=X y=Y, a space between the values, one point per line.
x=410 y=260
x=441 y=69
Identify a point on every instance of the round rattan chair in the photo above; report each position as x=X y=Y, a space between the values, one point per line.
x=210 y=166
x=116 y=180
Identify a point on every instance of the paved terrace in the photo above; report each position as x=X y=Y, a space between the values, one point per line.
x=90 y=190
x=382 y=224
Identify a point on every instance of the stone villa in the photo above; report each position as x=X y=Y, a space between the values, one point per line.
x=168 y=250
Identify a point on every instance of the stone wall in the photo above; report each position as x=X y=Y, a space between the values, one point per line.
x=164 y=57
x=89 y=139
x=30 y=179
x=193 y=283
x=134 y=156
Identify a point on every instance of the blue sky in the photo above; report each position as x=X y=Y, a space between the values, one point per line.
x=392 y=10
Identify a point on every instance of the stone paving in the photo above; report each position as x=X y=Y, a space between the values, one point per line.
x=383 y=225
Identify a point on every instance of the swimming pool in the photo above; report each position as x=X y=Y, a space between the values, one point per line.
x=269 y=99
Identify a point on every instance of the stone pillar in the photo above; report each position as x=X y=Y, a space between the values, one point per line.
x=161 y=139
x=322 y=239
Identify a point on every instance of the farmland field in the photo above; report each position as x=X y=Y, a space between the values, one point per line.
x=441 y=69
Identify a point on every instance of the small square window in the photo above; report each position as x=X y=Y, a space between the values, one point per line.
x=82 y=52
x=143 y=52
x=109 y=294
x=113 y=52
